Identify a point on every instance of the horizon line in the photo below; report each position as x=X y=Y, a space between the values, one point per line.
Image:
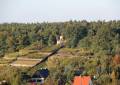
x=60 y=21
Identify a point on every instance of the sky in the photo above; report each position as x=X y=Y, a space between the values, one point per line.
x=24 y=11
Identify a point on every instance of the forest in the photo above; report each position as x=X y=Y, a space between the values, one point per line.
x=98 y=36
x=102 y=38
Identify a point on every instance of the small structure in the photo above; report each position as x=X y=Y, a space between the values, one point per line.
x=3 y=82
x=82 y=80
x=39 y=76
x=60 y=40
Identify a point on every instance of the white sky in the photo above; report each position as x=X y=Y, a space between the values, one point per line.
x=58 y=10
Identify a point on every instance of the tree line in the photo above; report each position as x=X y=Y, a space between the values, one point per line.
x=95 y=35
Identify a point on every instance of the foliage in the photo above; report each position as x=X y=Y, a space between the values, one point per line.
x=99 y=37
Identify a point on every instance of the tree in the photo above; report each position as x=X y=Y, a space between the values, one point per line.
x=52 y=40
x=26 y=40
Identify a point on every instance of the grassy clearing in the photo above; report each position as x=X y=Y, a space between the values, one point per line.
x=27 y=52
x=11 y=55
x=34 y=55
x=49 y=48
x=4 y=61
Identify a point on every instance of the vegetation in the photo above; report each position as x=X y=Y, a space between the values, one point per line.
x=98 y=36
x=89 y=43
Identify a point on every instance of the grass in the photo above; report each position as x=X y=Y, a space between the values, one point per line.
x=23 y=52
x=49 y=48
x=26 y=51
x=26 y=62
x=11 y=55
x=4 y=61
x=34 y=55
